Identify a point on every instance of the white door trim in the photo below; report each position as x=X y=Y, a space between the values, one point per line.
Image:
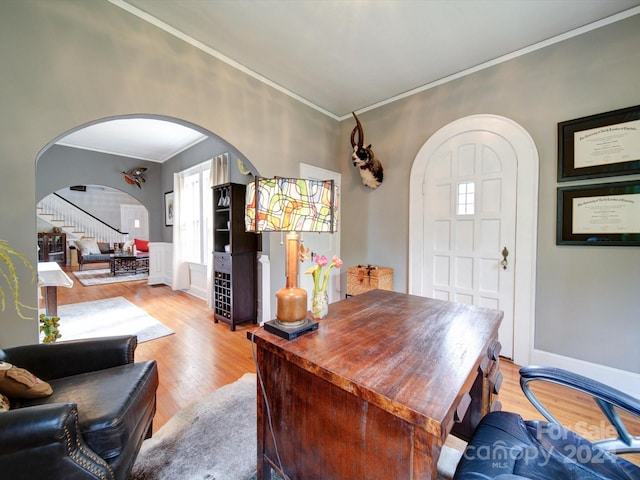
x=526 y=217
x=314 y=242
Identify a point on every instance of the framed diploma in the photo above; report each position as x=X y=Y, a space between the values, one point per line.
x=603 y=214
x=600 y=145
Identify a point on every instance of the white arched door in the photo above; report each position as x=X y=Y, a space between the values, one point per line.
x=465 y=215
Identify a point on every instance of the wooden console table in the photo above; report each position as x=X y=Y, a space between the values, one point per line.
x=50 y=277
x=374 y=392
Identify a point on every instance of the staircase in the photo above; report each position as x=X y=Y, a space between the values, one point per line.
x=75 y=222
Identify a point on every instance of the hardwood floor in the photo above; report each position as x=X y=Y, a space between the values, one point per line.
x=202 y=356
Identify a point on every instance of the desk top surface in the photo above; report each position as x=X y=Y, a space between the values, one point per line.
x=410 y=355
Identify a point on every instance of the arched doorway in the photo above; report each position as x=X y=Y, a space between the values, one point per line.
x=100 y=151
x=494 y=160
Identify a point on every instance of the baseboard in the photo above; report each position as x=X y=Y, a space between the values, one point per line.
x=623 y=380
x=197 y=292
x=159 y=279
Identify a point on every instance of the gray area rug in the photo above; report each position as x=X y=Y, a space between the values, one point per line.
x=107 y=318
x=213 y=439
x=102 y=276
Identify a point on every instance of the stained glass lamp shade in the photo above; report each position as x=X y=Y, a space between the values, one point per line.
x=291 y=205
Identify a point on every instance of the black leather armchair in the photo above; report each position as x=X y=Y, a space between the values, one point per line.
x=504 y=446
x=93 y=424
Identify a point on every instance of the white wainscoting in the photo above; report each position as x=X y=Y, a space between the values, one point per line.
x=160 y=263
x=161 y=267
x=198 y=283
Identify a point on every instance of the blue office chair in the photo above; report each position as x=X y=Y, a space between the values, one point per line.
x=505 y=447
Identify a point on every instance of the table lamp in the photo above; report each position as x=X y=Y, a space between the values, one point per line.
x=291 y=205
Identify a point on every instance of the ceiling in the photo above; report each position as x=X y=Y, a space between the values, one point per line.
x=349 y=55
x=339 y=56
x=140 y=138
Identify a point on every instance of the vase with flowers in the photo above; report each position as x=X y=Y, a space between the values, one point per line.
x=320 y=299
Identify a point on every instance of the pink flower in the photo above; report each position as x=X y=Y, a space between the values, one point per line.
x=316 y=271
x=321 y=260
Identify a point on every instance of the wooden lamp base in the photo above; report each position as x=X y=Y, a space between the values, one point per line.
x=291 y=311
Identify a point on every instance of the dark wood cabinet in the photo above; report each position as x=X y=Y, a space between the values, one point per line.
x=234 y=262
x=52 y=247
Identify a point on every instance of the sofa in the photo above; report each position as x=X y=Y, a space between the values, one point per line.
x=76 y=410
x=91 y=251
x=84 y=259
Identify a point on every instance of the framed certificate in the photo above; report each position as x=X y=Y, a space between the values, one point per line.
x=604 y=214
x=599 y=145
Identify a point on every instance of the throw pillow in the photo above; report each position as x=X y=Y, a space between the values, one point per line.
x=4 y=403
x=141 y=245
x=127 y=246
x=88 y=246
x=104 y=247
x=20 y=383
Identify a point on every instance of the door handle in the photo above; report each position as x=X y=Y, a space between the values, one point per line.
x=504 y=262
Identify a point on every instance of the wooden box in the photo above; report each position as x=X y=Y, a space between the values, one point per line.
x=363 y=278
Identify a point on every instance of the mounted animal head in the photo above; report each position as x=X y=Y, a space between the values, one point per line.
x=363 y=157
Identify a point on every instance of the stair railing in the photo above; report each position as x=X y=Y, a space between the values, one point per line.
x=77 y=222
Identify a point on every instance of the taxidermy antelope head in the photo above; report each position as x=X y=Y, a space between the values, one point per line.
x=370 y=169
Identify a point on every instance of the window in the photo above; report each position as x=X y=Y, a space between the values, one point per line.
x=466 y=198
x=196 y=213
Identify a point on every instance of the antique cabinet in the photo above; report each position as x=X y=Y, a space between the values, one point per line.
x=234 y=258
x=52 y=247
x=376 y=390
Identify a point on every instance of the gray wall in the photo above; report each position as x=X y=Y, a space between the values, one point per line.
x=74 y=62
x=202 y=152
x=587 y=300
x=69 y=63
x=60 y=166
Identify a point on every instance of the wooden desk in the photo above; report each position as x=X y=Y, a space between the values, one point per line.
x=374 y=392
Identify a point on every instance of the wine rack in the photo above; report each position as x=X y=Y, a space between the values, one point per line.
x=222 y=284
x=234 y=259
